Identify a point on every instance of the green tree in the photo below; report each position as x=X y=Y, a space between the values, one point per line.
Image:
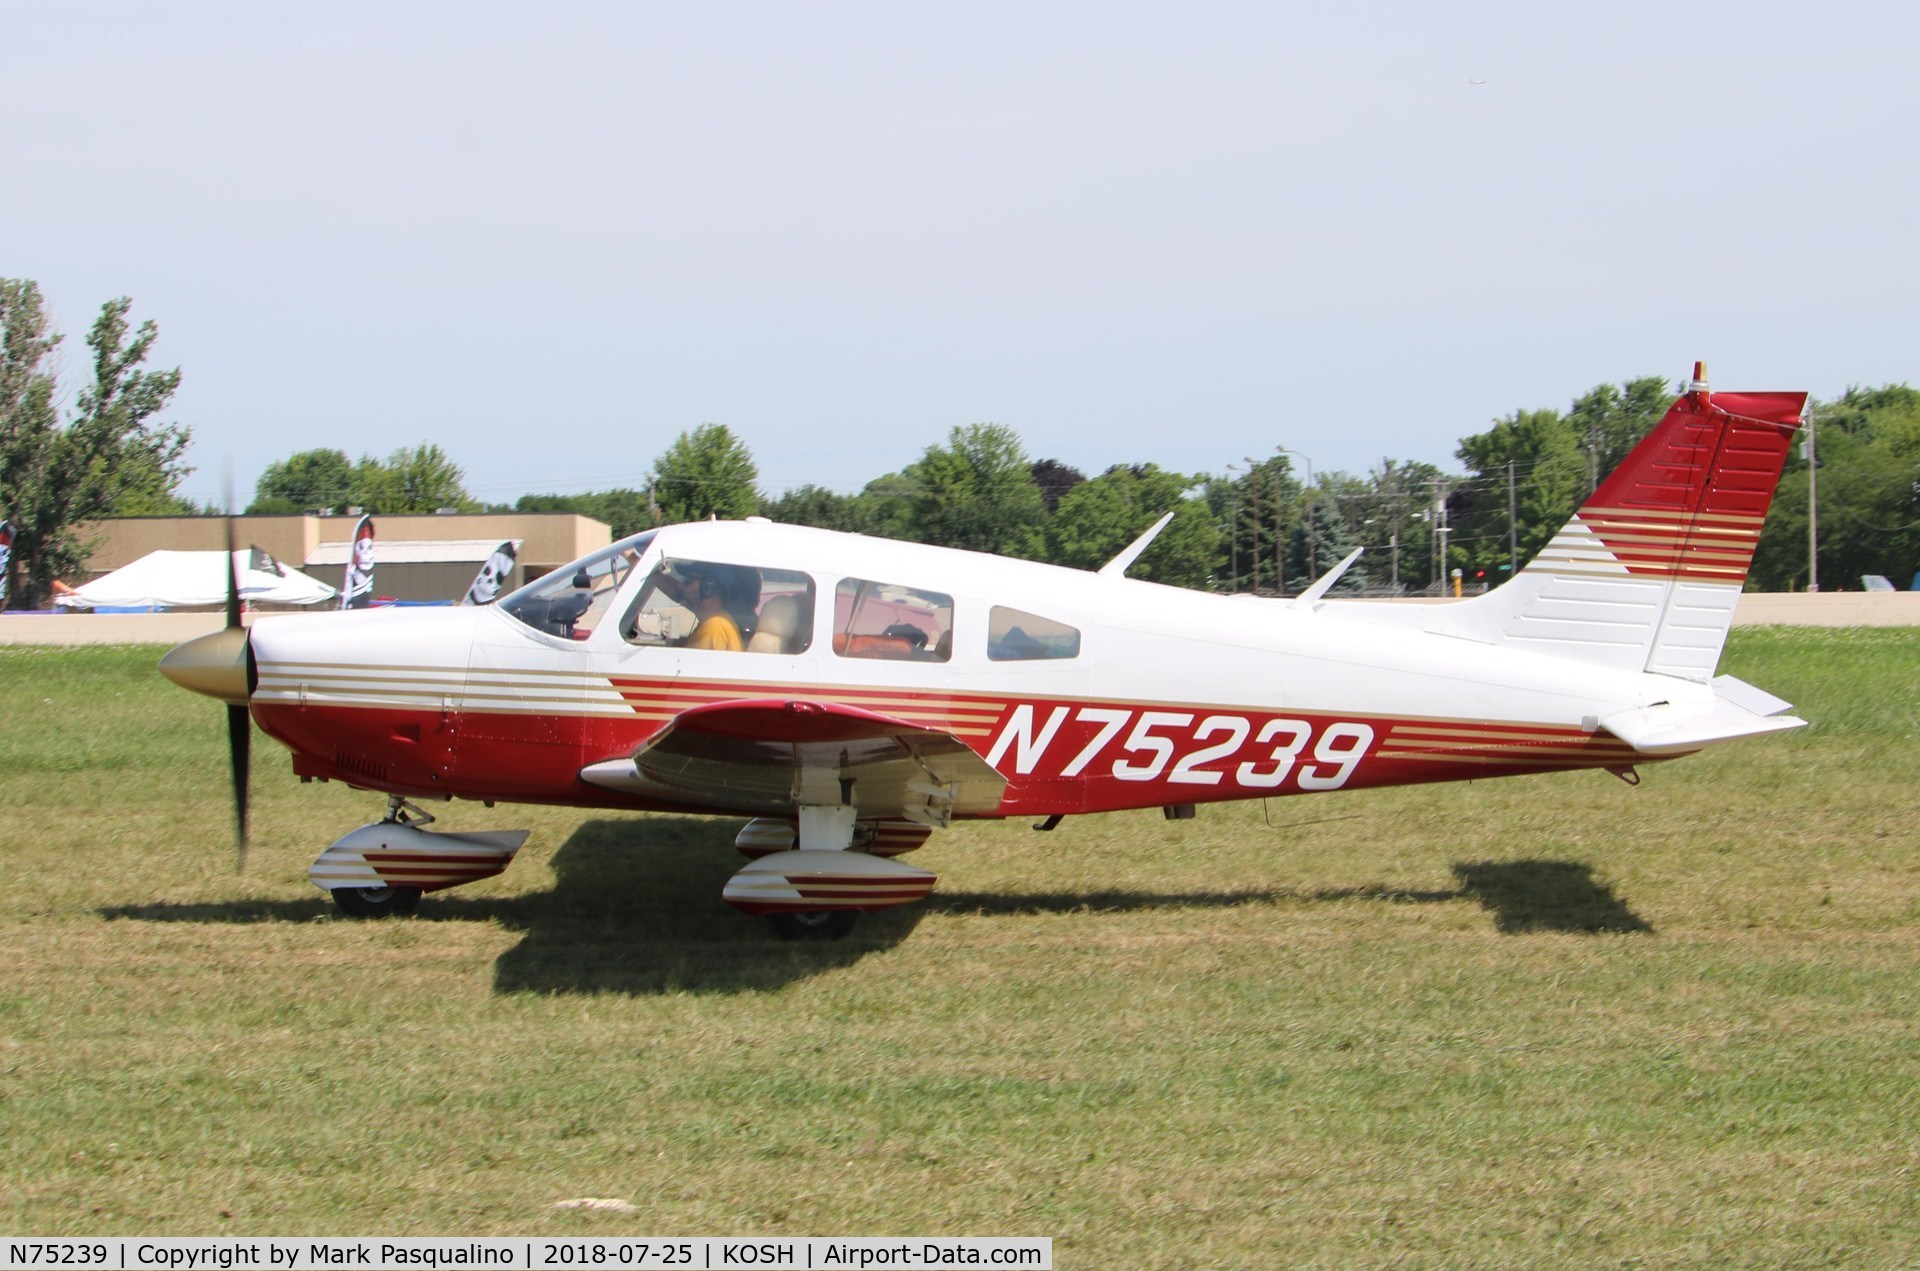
x=822 y=508
x=885 y=506
x=310 y=481
x=1868 y=449
x=110 y=458
x=1055 y=479
x=978 y=493
x=1322 y=540
x=412 y=480
x=624 y=511
x=29 y=433
x=136 y=464
x=1610 y=420
x=1527 y=476
x=1391 y=514
x=1258 y=503
x=706 y=473
x=425 y=479
x=1097 y=519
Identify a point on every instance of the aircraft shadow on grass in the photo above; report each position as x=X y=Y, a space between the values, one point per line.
x=635 y=909
x=1522 y=896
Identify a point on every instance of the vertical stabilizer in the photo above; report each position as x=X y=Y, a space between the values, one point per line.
x=1646 y=574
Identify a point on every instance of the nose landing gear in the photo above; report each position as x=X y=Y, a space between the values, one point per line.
x=380 y=870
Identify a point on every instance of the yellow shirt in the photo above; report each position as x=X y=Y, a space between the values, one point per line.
x=717 y=632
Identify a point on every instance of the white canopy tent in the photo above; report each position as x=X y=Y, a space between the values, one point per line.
x=182 y=580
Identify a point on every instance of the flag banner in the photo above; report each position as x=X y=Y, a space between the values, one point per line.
x=499 y=567
x=358 y=593
x=6 y=557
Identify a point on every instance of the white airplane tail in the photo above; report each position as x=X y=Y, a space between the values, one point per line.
x=1646 y=574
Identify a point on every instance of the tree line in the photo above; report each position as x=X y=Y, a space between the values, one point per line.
x=106 y=456
x=1262 y=525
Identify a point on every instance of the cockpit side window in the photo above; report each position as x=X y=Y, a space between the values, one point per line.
x=1016 y=636
x=886 y=620
x=725 y=608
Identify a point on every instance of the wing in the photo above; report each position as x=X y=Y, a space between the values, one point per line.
x=768 y=757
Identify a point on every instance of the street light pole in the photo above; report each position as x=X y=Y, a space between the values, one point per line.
x=1313 y=562
x=1279 y=535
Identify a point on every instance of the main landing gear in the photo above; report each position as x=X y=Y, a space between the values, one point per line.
x=818 y=890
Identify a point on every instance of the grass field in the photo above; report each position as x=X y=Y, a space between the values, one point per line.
x=1550 y=1020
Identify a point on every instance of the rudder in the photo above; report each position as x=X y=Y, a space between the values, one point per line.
x=1646 y=574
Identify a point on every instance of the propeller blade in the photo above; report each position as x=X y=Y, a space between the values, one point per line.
x=239 y=752
x=233 y=574
x=239 y=721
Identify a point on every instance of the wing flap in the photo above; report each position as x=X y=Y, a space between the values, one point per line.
x=770 y=756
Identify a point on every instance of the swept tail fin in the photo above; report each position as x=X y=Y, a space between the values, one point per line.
x=1645 y=576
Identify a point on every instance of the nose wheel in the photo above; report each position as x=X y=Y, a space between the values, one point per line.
x=376 y=902
x=380 y=870
x=813 y=924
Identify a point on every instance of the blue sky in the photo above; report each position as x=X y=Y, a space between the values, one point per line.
x=552 y=238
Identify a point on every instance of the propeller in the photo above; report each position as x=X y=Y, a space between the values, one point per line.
x=239 y=719
x=220 y=665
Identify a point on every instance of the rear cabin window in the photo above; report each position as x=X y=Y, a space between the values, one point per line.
x=727 y=608
x=886 y=620
x=1017 y=636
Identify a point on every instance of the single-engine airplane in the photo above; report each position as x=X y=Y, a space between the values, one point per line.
x=852 y=694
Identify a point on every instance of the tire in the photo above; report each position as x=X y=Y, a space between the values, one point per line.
x=814 y=924
x=376 y=902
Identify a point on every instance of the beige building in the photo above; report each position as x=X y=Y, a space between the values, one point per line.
x=416 y=557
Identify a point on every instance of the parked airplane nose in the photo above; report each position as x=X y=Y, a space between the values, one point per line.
x=216 y=665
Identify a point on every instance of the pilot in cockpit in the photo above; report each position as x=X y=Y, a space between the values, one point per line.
x=723 y=599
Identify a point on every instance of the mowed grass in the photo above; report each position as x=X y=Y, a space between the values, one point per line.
x=1549 y=1020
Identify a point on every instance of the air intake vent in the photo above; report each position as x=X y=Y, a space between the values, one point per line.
x=352 y=765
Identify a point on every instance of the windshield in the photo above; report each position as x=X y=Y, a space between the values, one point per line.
x=570 y=601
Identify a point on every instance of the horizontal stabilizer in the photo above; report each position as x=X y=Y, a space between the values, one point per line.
x=1746 y=696
x=1673 y=730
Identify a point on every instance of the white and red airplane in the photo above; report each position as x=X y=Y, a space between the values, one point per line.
x=851 y=694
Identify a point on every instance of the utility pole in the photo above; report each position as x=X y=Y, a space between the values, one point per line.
x=1593 y=456
x=1513 y=526
x=1440 y=532
x=1233 y=543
